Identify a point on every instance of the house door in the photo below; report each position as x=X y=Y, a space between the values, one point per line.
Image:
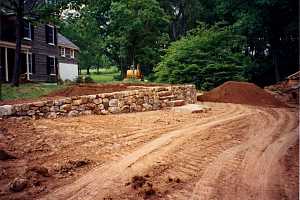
x=11 y=62
x=2 y=64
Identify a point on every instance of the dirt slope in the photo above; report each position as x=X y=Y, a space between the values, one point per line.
x=241 y=93
x=239 y=153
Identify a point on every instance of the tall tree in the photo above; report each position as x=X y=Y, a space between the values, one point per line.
x=271 y=27
x=136 y=32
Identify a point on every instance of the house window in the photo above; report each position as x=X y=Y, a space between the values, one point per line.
x=30 y=63
x=63 y=52
x=50 y=34
x=51 y=65
x=72 y=53
x=27 y=31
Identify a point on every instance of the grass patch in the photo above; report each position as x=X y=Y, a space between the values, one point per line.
x=104 y=78
x=105 y=75
x=27 y=91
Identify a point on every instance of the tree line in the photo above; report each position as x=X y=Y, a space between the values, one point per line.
x=179 y=41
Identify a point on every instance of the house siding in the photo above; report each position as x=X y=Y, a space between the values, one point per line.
x=41 y=49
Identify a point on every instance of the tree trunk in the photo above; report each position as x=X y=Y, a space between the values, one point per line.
x=19 y=24
x=88 y=71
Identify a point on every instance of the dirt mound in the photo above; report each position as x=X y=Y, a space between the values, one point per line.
x=241 y=93
x=79 y=90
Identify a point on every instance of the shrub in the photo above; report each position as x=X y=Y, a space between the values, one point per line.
x=206 y=57
x=89 y=79
x=79 y=79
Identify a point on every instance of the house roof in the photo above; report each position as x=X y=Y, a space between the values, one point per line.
x=65 y=42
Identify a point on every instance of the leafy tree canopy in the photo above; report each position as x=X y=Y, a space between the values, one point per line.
x=206 y=57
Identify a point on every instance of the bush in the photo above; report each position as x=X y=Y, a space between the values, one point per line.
x=89 y=79
x=206 y=57
x=117 y=77
x=79 y=79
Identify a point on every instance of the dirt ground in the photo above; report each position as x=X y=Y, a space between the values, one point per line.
x=231 y=152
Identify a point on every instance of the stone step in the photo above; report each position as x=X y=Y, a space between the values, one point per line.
x=166 y=97
x=177 y=103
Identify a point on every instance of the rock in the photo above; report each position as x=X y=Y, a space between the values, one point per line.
x=54 y=108
x=77 y=102
x=101 y=106
x=25 y=107
x=87 y=112
x=40 y=170
x=66 y=107
x=97 y=101
x=59 y=102
x=114 y=110
x=30 y=112
x=164 y=93
x=104 y=112
x=178 y=102
x=5 y=110
x=147 y=106
x=6 y=156
x=125 y=109
x=52 y=115
x=18 y=185
x=105 y=102
x=39 y=104
x=113 y=103
x=84 y=99
x=73 y=113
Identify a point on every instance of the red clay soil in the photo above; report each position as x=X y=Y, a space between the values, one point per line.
x=241 y=93
x=79 y=90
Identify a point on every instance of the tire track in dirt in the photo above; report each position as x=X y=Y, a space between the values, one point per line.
x=208 y=186
x=101 y=180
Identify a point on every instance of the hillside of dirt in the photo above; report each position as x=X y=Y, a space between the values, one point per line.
x=241 y=93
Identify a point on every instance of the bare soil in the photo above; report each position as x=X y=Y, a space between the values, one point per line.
x=231 y=152
x=241 y=93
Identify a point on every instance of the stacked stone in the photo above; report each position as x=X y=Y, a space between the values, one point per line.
x=147 y=99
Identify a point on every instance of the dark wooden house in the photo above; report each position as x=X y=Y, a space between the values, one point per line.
x=40 y=51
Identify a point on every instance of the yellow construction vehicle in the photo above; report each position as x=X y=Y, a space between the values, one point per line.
x=134 y=73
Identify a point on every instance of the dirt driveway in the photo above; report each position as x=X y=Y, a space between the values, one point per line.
x=232 y=152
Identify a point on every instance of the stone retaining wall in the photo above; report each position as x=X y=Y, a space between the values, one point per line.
x=145 y=99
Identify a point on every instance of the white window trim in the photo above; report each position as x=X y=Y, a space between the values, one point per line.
x=28 y=38
x=53 y=37
x=54 y=66
x=64 y=54
x=72 y=53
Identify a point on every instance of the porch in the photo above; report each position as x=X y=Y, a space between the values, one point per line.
x=7 y=60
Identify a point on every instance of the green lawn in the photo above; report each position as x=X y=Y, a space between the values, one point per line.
x=105 y=75
x=27 y=91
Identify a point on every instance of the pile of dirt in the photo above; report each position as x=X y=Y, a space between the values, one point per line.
x=286 y=91
x=241 y=93
x=79 y=90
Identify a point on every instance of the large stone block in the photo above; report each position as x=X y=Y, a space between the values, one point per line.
x=113 y=102
x=6 y=110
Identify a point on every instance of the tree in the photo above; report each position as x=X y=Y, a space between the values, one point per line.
x=83 y=30
x=207 y=57
x=271 y=28
x=136 y=32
